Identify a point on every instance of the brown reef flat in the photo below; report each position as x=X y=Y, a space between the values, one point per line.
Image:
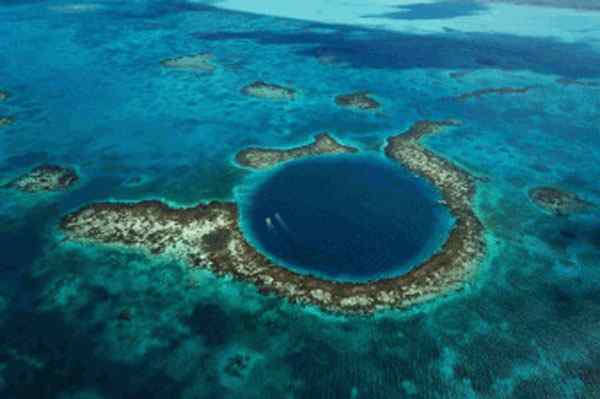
x=197 y=62
x=359 y=100
x=557 y=201
x=45 y=178
x=260 y=158
x=209 y=236
x=498 y=91
x=270 y=91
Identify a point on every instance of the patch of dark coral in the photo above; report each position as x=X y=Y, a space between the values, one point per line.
x=497 y=91
x=45 y=177
x=358 y=100
x=216 y=241
x=557 y=201
x=6 y=120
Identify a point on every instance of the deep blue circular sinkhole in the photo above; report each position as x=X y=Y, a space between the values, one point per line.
x=349 y=218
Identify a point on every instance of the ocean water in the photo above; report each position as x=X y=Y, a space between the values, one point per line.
x=344 y=217
x=87 y=90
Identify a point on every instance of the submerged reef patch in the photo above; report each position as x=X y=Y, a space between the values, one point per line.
x=3 y=95
x=460 y=74
x=6 y=120
x=45 y=178
x=137 y=180
x=577 y=82
x=358 y=100
x=498 y=91
x=209 y=236
x=260 y=158
x=197 y=62
x=271 y=91
x=557 y=201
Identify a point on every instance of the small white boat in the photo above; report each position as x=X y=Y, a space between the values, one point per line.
x=269 y=223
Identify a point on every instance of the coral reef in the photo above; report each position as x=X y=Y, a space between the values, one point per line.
x=460 y=74
x=45 y=178
x=358 y=100
x=557 y=201
x=260 y=158
x=3 y=95
x=268 y=90
x=577 y=82
x=209 y=236
x=498 y=91
x=197 y=62
x=6 y=120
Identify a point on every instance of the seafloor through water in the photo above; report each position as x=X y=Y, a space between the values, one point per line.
x=98 y=87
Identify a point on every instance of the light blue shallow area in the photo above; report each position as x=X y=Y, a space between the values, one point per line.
x=87 y=90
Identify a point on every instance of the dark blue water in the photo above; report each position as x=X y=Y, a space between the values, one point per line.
x=346 y=217
x=438 y=10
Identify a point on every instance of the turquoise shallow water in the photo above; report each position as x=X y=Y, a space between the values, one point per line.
x=87 y=90
x=345 y=217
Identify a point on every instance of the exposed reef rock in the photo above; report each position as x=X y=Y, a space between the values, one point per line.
x=498 y=91
x=558 y=202
x=268 y=90
x=198 y=62
x=45 y=178
x=259 y=158
x=209 y=236
x=6 y=120
x=358 y=100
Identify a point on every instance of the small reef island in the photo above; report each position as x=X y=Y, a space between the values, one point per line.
x=260 y=158
x=359 y=100
x=270 y=91
x=45 y=178
x=209 y=235
x=197 y=62
x=557 y=201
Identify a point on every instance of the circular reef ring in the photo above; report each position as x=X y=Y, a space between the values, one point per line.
x=209 y=235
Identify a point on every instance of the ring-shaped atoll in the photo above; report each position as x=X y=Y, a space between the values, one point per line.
x=209 y=235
